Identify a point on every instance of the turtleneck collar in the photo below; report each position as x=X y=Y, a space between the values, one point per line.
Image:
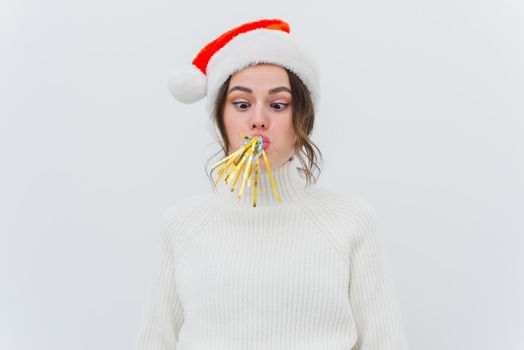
x=289 y=181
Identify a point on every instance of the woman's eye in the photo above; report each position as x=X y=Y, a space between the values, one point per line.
x=280 y=106
x=241 y=105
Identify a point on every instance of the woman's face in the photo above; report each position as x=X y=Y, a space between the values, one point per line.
x=258 y=102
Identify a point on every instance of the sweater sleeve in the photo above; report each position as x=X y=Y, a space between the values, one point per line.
x=163 y=314
x=371 y=291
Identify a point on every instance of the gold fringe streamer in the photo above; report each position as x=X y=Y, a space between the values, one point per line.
x=245 y=159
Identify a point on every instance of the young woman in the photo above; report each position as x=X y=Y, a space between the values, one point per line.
x=304 y=268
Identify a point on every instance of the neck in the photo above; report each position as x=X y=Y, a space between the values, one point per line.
x=288 y=179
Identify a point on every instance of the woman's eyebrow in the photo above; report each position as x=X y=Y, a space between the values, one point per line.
x=248 y=90
x=278 y=89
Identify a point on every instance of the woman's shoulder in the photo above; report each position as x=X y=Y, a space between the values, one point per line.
x=342 y=198
x=344 y=204
x=344 y=214
x=192 y=208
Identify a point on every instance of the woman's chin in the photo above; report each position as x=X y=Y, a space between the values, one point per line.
x=273 y=164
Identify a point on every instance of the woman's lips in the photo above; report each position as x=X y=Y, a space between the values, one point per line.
x=265 y=141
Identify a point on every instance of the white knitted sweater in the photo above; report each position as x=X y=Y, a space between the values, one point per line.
x=309 y=273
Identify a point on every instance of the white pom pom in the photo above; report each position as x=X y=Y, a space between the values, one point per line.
x=188 y=84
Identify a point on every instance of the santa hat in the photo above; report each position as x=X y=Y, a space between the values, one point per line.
x=262 y=41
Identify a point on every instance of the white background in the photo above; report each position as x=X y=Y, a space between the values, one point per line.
x=421 y=115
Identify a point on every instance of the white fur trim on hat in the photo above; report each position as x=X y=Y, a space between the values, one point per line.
x=261 y=46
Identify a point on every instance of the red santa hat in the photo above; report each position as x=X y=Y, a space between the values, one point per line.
x=261 y=41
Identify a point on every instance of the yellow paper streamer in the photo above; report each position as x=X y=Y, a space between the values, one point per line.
x=245 y=159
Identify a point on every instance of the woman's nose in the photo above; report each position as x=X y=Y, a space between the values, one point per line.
x=258 y=125
x=259 y=119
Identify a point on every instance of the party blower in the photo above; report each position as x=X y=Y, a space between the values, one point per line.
x=245 y=159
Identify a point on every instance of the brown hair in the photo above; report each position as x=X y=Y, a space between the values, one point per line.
x=303 y=121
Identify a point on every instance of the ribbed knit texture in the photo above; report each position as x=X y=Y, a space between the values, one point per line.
x=309 y=273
